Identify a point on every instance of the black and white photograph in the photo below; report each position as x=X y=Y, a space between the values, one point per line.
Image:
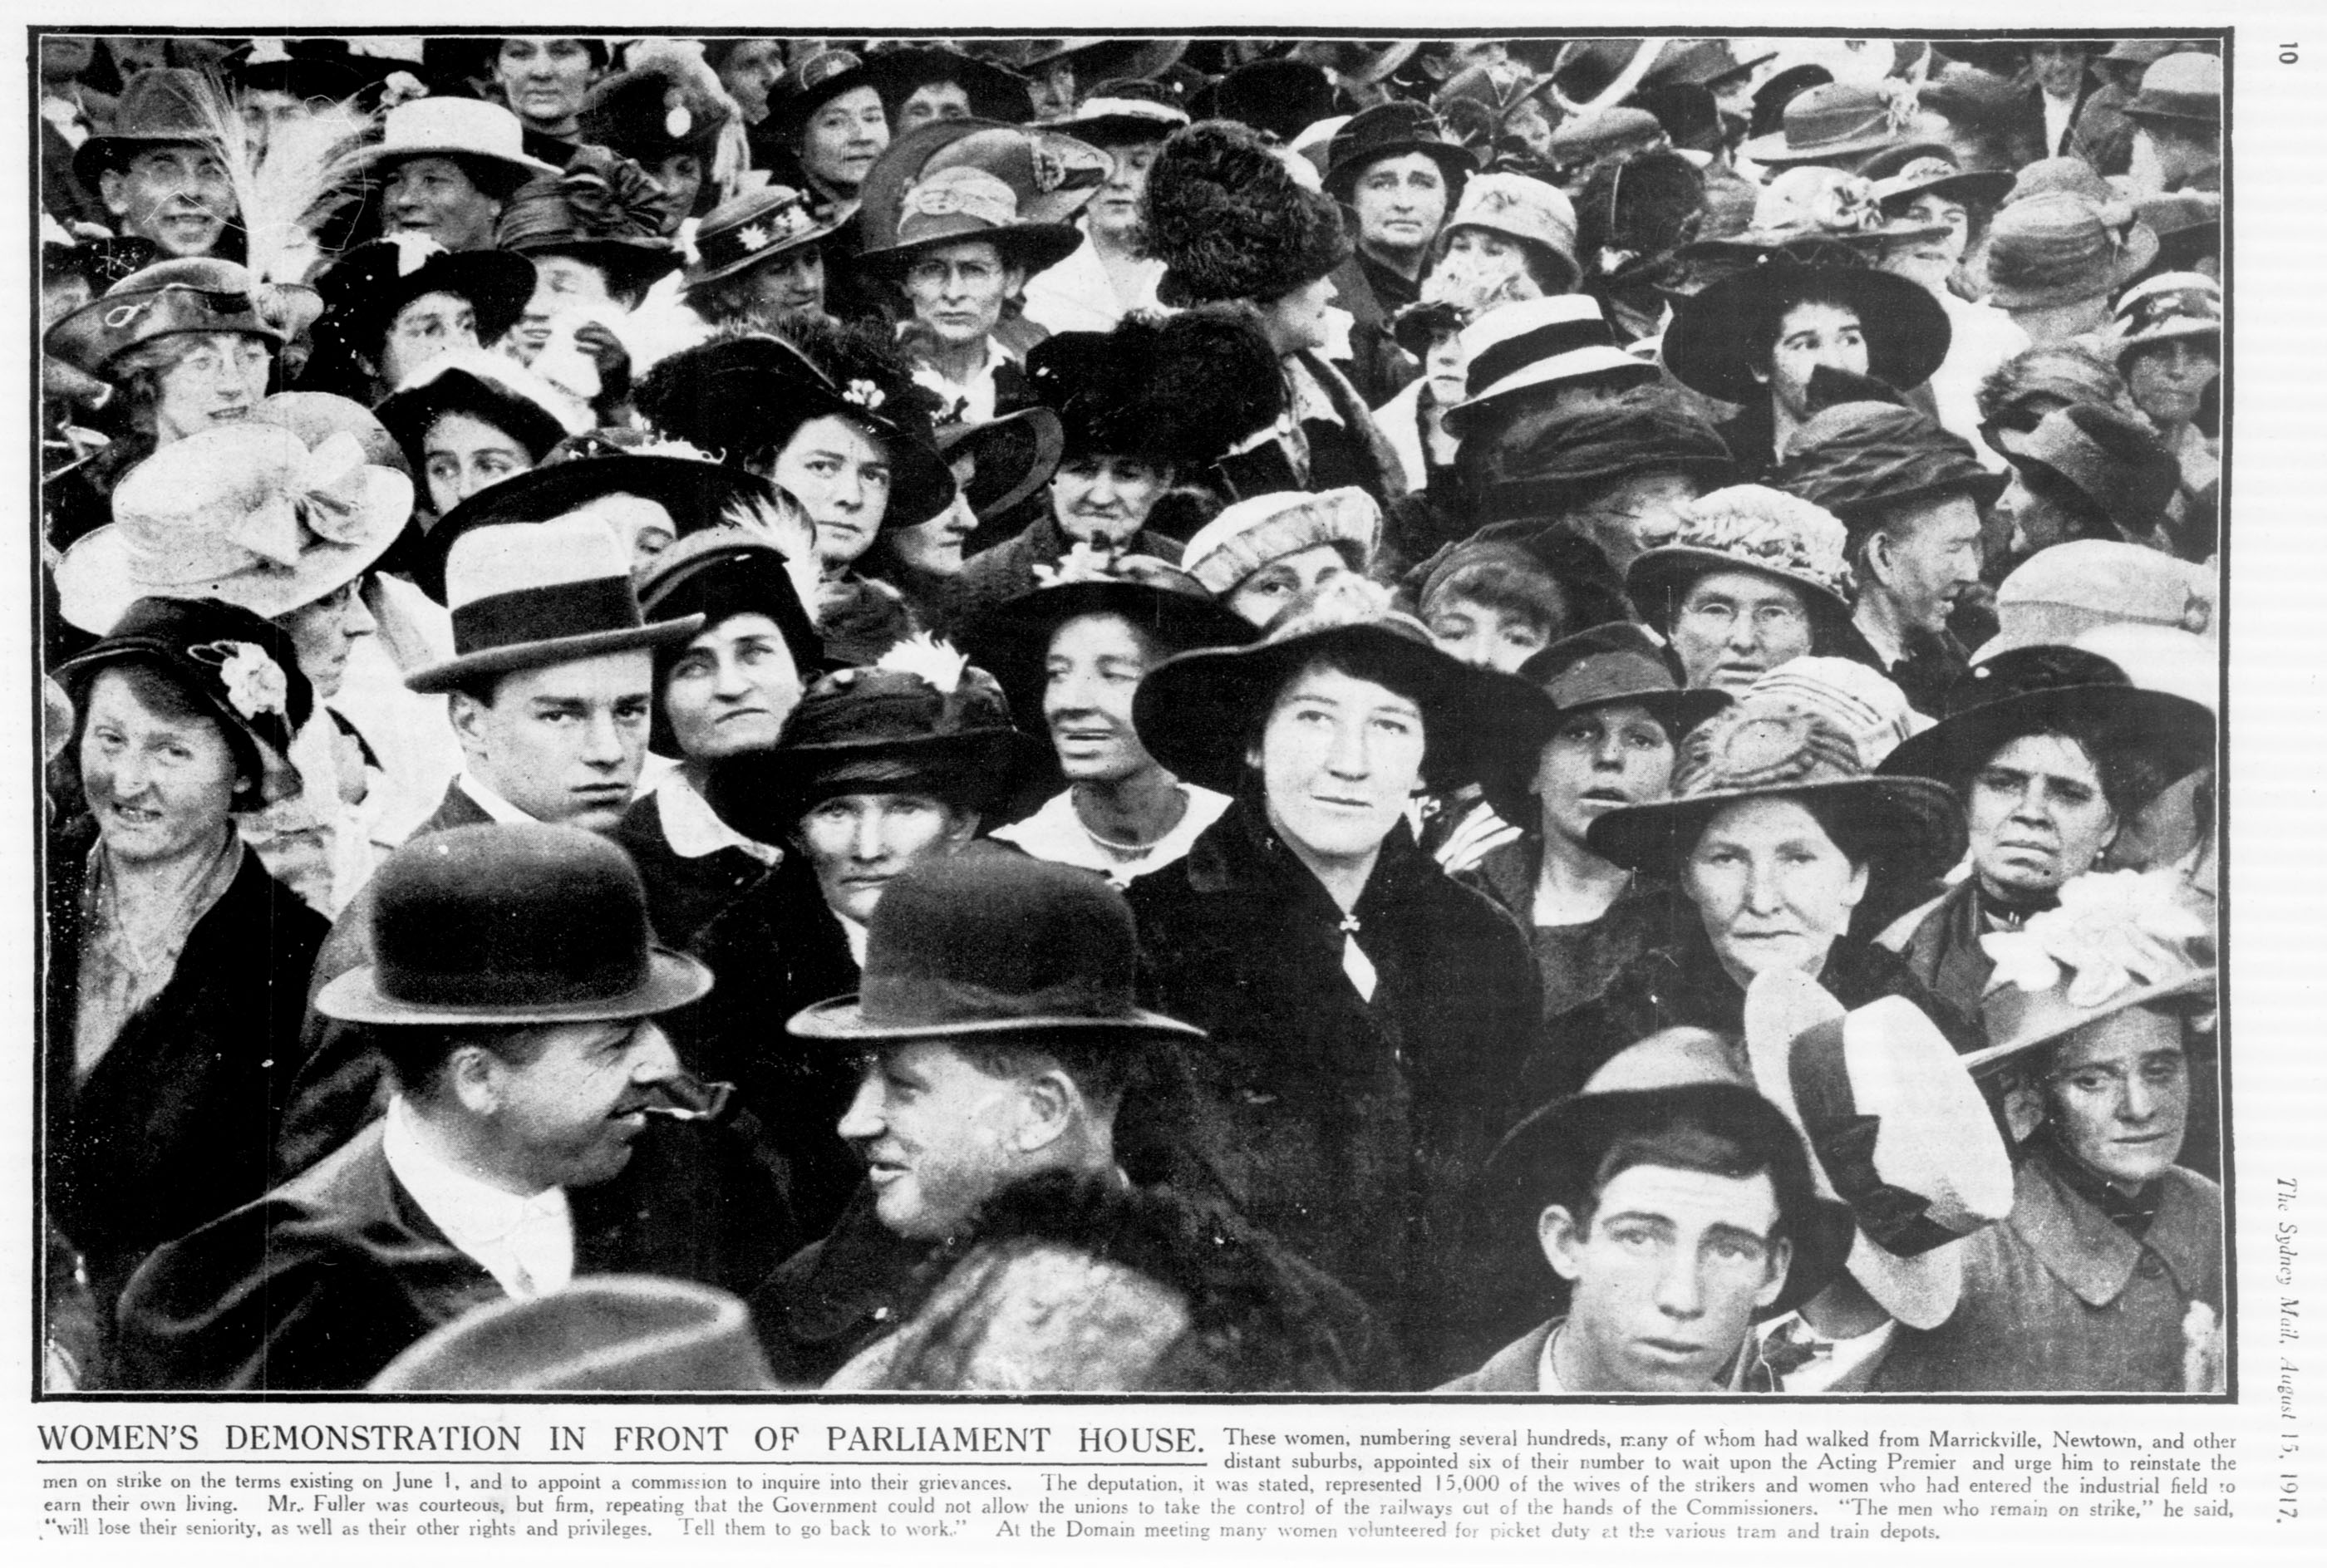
x=1264 y=714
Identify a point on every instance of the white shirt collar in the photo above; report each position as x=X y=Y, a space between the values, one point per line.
x=693 y=830
x=1840 y=1359
x=526 y=1244
x=490 y=801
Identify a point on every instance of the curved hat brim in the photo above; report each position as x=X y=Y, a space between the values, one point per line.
x=673 y=980
x=1656 y=576
x=2133 y=259
x=2159 y=722
x=1771 y=150
x=1708 y=348
x=762 y=795
x=523 y=166
x=1031 y=248
x=1612 y=367
x=1918 y=822
x=534 y=655
x=2056 y=1022
x=1508 y=779
x=842 y=1018
x=1031 y=440
x=1012 y=641
x=697 y=277
x=1455 y=163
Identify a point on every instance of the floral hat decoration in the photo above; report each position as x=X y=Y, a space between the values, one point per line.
x=1754 y=529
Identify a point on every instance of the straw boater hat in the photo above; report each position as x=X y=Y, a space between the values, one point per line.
x=244 y=670
x=1198 y=713
x=2068 y=589
x=1751 y=528
x=1721 y=333
x=1761 y=748
x=1526 y=344
x=1896 y=1129
x=189 y=294
x=2169 y=305
x=511 y=923
x=246 y=513
x=2117 y=940
x=750 y=228
x=1123 y=111
x=464 y=129
x=527 y=594
x=601 y=1334
x=1836 y=121
x=989 y=944
x=1617 y=662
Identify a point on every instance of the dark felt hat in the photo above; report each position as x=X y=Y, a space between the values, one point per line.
x=2025 y=691
x=1010 y=458
x=601 y=208
x=922 y=720
x=1274 y=97
x=245 y=671
x=157 y=108
x=718 y=573
x=1860 y=460
x=1538 y=345
x=505 y=923
x=1929 y=168
x=182 y=294
x=987 y=942
x=1762 y=748
x=1392 y=130
x=2113 y=460
x=476 y=386
x=813 y=82
x=365 y=286
x=1198 y=713
x=601 y=1334
x=1229 y=220
x=1617 y=661
x=746 y=231
x=1535 y=464
x=1719 y=334
x=100 y=263
x=995 y=92
x=653 y=112
x=1183 y=389
x=1771 y=98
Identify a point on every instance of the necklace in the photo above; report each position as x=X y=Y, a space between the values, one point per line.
x=1122 y=851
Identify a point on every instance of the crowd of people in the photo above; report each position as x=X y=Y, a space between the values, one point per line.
x=1131 y=715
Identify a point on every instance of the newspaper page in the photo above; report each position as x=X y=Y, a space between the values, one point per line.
x=1494 y=1123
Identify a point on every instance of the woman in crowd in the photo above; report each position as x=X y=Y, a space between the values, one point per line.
x=759 y=254
x=825 y=115
x=1754 y=577
x=1511 y=238
x=177 y=966
x=1260 y=555
x=2169 y=348
x=545 y=81
x=1110 y=274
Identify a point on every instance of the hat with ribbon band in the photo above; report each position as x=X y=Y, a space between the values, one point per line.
x=186 y=294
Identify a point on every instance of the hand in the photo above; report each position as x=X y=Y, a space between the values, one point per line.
x=614 y=362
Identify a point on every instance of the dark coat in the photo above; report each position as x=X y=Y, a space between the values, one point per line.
x=328 y=1278
x=1373 y=294
x=1574 y=964
x=1349 y=1129
x=774 y=948
x=1943 y=950
x=172 y=1127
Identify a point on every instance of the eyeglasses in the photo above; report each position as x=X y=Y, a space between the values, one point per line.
x=1718 y=616
x=939 y=273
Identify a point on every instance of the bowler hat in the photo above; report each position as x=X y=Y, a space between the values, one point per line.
x=1274 y=96
x=1723 y=333
x=601 y=1334
x=1896 y=1129
x=161 y=108
x=2068 y=589
x=183 y=295
x=524 y=596
x=509 y=922
x=460 y=129
x=1909 y=828
x=993 y=944
x=1616 y=662
x=1392 y=130
x=2058 y=248
x=750 y=228
x=2185 y=87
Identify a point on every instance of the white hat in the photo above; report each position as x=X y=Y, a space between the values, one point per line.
x=1897 y=1129
x=445 y=128
x=1525 y=343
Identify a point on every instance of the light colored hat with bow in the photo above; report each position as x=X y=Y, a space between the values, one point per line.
x=245 y=513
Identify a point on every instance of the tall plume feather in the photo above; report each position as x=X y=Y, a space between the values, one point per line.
x=311 y=168
x=787 y=526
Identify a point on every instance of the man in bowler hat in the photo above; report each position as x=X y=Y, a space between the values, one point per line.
x=999 y=1040
x=512 y=993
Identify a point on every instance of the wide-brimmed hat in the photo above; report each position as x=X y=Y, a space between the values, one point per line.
x=1198 y=713
x=1811 y=215
x=490 y=387
x=922 y=719
x=2066 y=588
x=995 y=92
x=1165 y=604
x=2186 y=88
x=601 y=1334
x=963 y=203
x=2058 y=248
x=1251 y=534
x=1676 y=1076
x=1052 y=176
x=1859 y=699
x=1010 y=458
x=728 y=570
x=2114 y=461
x=2027 y=691
x=2116 y=939
x=1123 y=111
x=987 y=944
x=1525 y=461
x=1896 y=1128
x=2169 y=305
x=160 y=107
x=1526 y=344
x=243 y=512
x=1750 y=528
x=2188 y=225
x=1229 y=219
x=367 y=285
x=601 y=208
x=1597 y=137
x=1860 y=459
x=1534 y=212
x=1837 y=119
x=462 y=129
x=511 y=923
x=1585 y=68
x=1901 y=174
x=747 y=230
x=1761 y=748
x=186 y=294
x=1184 y=389
x=1616 y=662
x=245 y=670
x=1720 y=334
x=1392 y=130
x=524 y=596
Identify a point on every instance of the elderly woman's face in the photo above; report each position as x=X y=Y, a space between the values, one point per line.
x=2037 y=817
x=1106 y=499
x=1599 y=759
x=1339 y=758
x=2169 y=381
x=1773 y=890
x=218 y=379
x=2119 y=1095
x=732 y=688
x=842 y=139
x=159 y=786
x=1732 y=627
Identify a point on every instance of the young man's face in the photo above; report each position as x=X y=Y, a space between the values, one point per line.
x=176 y=196
x=1667 y=1276
x=1811 y=334
x=937 y=1133
x=568 y=1114
x=563 y=743
x=2058 y=68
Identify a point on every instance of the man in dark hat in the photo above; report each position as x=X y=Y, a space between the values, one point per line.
x=157 y=171
x=1677 y=1205
x=512 y=994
